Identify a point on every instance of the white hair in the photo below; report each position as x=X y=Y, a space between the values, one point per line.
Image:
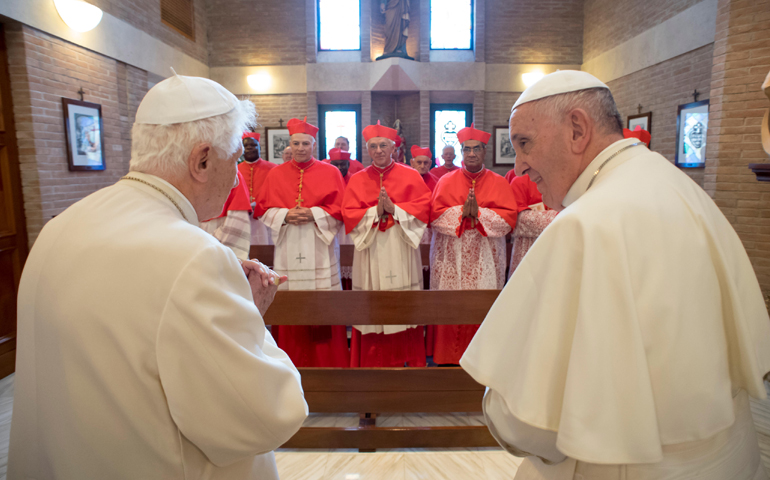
x=597 y=102
x=164 y=149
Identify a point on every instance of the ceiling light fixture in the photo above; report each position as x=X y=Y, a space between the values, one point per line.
x=79 y=15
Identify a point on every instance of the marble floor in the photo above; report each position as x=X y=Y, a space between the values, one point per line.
x=408 y=464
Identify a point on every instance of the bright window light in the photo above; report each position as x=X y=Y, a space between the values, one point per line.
x=448 y=123
x=339 y=25
x=341 y=123
x=531 y=78
x=451 y=24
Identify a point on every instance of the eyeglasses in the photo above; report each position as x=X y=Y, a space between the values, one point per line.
x=379 y=146
x=477 y=149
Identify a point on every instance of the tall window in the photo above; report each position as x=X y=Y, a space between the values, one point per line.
x=339 y=25
x=451 y=24
x=179 y=15
x=445 y=121
x=339 y=121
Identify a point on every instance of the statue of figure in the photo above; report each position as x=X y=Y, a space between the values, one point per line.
x=766 y=120
x=396 y=28
x=399 y=155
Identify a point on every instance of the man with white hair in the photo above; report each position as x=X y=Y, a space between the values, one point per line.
x=300 y=203
x=448 y=155
x=142 y=352
x=627 y=340
x=386 y=209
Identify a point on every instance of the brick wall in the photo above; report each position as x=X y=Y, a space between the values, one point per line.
x=383 y=109
x=609 y=23
x=145 y=15
x=660 y=89
x=249 y=32
x=741 y=62
x=43 y=70
x=272 y=108
x=408 y=111
x=534 y=31
x=497 y=111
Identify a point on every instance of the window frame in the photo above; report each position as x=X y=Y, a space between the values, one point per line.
x=473 y=30
x=339 y=107
x=434 y=107
x=318 y=30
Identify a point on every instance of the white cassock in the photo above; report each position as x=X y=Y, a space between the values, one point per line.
x=307 y=253
x=388 y=260
x=141 y=354
x=260 y=233
x=629 y=335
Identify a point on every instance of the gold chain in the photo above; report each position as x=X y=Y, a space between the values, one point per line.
x=605 y=162
x=159 y=190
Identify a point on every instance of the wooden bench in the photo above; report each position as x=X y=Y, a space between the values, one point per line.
x=368 y=391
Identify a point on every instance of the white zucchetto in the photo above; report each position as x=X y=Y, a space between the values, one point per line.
x=181 y=99
x=563 y=81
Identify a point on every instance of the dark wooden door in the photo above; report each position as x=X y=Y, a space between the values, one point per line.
x=13 y=230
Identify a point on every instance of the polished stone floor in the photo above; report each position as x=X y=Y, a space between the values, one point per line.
x=422 y=464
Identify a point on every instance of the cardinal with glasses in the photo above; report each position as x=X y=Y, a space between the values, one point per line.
x=472 y=210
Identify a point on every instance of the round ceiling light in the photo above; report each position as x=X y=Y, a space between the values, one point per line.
x=79 y=15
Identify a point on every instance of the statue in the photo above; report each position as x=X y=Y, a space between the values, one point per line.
x=399 y=155
x=396 y=28
x=766 y=120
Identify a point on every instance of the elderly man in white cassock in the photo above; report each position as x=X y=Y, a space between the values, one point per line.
x=627 y=341
x=142 y=353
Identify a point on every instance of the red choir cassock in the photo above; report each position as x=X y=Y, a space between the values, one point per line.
x=407 y=190
x=526 y=193
x=254 y=173
x=308 y=184
x=355 y=165
x=430 y=179
x=492 y=192
x=510 y=175
x=238 y=200
x=442 y=170
x=639 y=133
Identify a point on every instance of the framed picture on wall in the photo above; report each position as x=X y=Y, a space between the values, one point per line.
x=84 y=133
x=277 y=139
x=504 y=153
x=643 y=120
x=691 y=132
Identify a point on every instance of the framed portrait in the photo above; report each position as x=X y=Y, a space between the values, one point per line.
x=504 y=153
x=276 y=141
x=84 y=133
x=643 y=119
x=691 y=132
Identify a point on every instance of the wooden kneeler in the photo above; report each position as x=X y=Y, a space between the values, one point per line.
x=392 y=390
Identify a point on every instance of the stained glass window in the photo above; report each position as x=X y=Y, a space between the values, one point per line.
x=447 y=124
x=451 y=24
x=340 y=123
x=339 y=25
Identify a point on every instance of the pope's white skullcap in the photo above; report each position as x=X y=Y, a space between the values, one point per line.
x=181 y=99
x=563 y=81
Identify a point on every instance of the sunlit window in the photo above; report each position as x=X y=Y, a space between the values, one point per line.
x=446 y=125
x=451 y=24
x=339 y=25
x=341 y=123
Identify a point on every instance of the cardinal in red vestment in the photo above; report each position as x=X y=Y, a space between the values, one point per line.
x=386 y=210
x=533 y=217
x=448 y=156
x=422 y=160
x=472 y=210
x=232 y=227
x=301 y=203
x=254 y=171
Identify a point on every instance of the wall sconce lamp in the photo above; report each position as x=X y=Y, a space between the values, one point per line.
x=260 y=82
x=79 y=15
x=531 y=78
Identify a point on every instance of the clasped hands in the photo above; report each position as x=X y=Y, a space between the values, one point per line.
x=263 y=282
x=385 y=204
x=299 y=216
x=471 y=206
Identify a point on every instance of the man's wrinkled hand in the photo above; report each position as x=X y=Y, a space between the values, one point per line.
x=263 y=282
x=299 y=216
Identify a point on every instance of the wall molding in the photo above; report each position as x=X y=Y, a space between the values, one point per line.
x=687 y=31
x=112 y=38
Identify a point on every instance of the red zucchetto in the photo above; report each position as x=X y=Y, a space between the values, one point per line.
x=470 y=133
x=253 y=135
x=418 y=151
x=378 y=130
x=295 y=125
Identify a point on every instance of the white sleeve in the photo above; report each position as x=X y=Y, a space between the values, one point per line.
x=230 y=390
x=363 y=234
x=274 y=218
x=517 y=437
x=326 y=226
x=409 y=227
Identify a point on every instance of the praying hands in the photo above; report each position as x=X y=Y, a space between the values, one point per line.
x=299 y=216
x=385 y=204
x=471 y=206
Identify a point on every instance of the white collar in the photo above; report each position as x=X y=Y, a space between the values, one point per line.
x=167 y=191
x=581 y=184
